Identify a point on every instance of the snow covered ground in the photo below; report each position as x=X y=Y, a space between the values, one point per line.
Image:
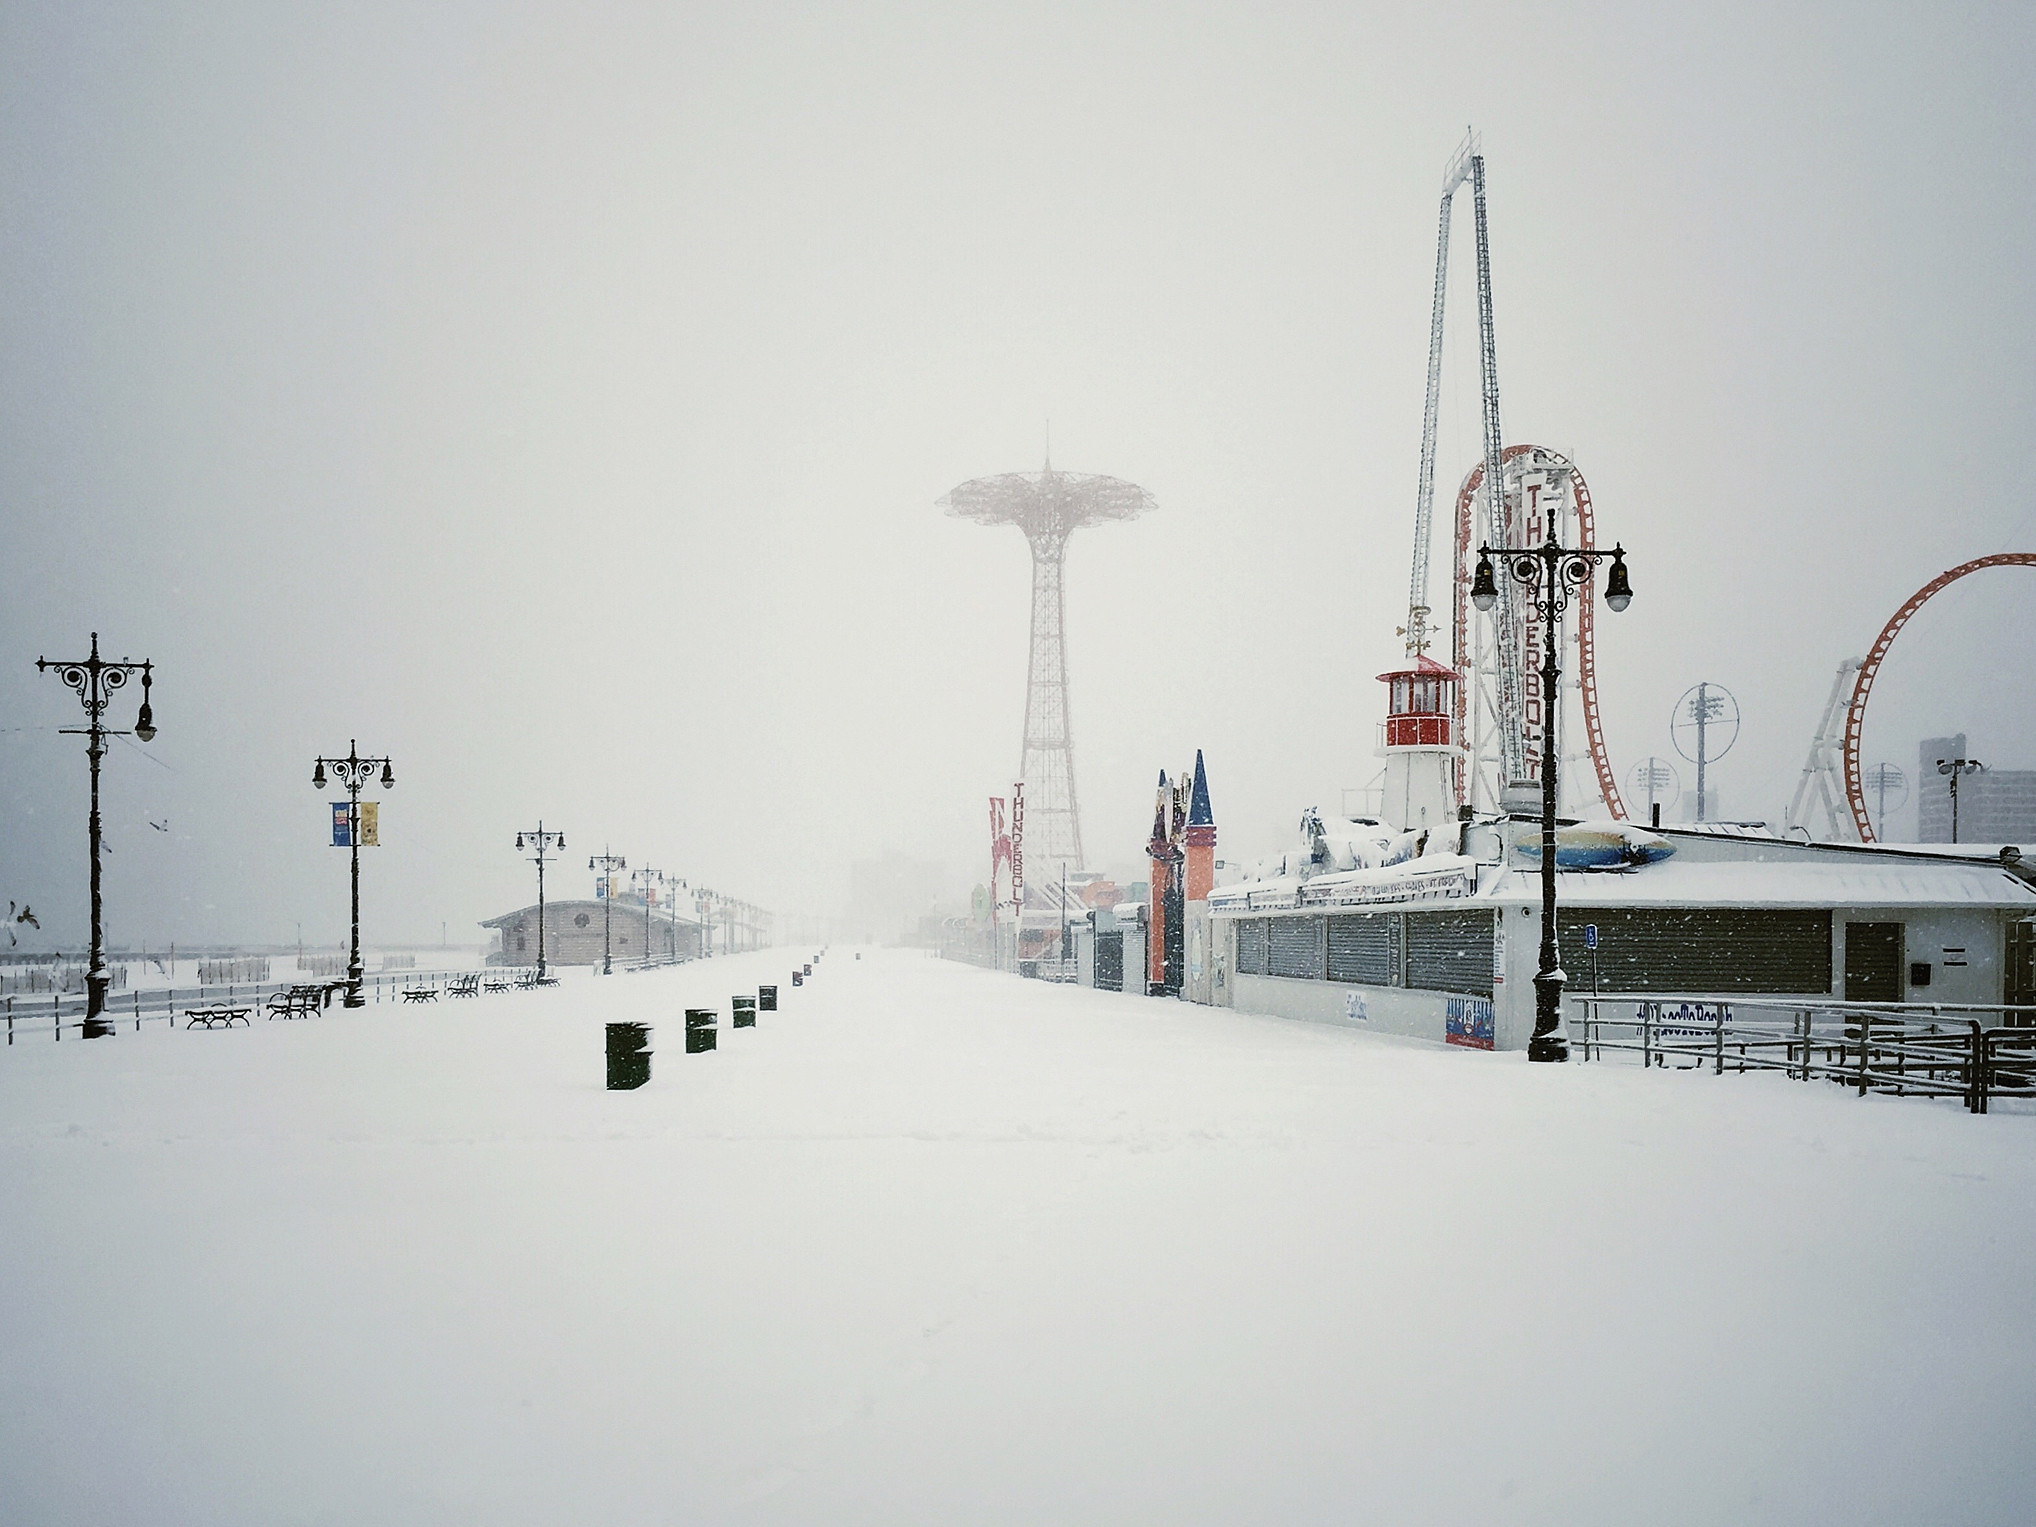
x=934 y=1245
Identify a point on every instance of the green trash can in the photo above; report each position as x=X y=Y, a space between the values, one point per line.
x=628 y=1056
x=699 y=1030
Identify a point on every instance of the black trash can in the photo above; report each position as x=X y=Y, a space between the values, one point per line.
x=797 y=979
x=766 y=999
x=743 y=1012
x=628 y=1056
x=699 y=1030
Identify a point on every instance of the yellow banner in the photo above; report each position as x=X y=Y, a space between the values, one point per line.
x=371 y=824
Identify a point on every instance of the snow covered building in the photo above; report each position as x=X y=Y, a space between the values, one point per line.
x=572 y=934
x=1444 y=946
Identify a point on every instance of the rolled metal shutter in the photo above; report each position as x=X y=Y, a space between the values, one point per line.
x=1251 y=946
x=1451 y=951
x=1297 y=947
x=1361 y=948
x=1110 y=961
x=1698 y=950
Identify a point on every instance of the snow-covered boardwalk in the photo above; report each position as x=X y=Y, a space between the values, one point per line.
x=938 y=1246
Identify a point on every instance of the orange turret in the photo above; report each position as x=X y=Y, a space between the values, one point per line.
x=1200 y=837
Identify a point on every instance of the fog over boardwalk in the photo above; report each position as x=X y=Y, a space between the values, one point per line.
x=937 y=1245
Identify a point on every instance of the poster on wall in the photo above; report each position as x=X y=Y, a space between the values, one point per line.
x=1469 y=1022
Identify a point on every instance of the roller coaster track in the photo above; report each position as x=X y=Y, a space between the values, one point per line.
x=1862 y=685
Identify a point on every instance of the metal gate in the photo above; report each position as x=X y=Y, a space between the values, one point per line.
x=2021 y=981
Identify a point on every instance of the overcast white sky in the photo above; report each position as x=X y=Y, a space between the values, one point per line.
x=555 y=397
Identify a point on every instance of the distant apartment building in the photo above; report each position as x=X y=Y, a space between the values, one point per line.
x=1994 y=805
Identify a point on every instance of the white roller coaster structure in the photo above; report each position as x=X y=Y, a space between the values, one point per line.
x=1499 y=726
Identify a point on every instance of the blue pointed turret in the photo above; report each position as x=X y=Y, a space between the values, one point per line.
x=1199 y=814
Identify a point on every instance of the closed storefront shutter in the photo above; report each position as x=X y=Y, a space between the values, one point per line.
x=1251 y=946
x=1110 y=961
x=1297 y=947
x=1450 y=951
x=1361 y=948
x=1698 y=950
x=1873 y=962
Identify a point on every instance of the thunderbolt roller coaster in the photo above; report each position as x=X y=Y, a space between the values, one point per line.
x=1835 y=750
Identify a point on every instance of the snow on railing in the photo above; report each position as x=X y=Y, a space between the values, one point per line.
x=1974 y=1052
x=56 y=1013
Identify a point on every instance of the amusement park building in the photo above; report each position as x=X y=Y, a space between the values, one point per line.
x=572 y=934
x=1446 y=947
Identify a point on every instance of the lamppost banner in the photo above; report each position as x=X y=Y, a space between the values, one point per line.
x=342 y=829
x=371 y=824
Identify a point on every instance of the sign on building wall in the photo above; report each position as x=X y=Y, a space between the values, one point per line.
x=1468 y=1021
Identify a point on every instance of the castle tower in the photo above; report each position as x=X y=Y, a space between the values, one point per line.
x=1418 y=743
x=1048 y=507
x=1200 y=838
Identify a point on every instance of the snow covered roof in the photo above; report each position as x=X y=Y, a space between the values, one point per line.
x=1689 y=883
x=633 y=905
x=1866 y=882
x=1423 y=667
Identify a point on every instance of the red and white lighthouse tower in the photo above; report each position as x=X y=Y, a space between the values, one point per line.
x=1418 y=743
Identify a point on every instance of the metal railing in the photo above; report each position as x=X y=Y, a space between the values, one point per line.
x=1974 y=1052
x=55 y=1013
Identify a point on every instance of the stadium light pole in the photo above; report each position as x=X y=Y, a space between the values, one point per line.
x=1553 y=573
x=351 y=773
x=538 y=844
x=95 y=680
x=1950 y=768
x=608 y=863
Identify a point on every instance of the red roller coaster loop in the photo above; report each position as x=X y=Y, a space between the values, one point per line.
x=1587 y=657
x=1862 y=686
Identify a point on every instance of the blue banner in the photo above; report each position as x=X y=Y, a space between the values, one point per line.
x=342 y=825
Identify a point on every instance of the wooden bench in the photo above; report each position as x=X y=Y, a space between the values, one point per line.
x=216 y=1017
x=420 y=994
x=464 y=986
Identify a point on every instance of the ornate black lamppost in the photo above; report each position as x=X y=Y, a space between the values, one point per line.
x=703 y=901
x=1950 y=768
x=350 y=774
x=95 y=680
x=607 y=863
x=538 y=844
x=1553 y=573
x=647 y=878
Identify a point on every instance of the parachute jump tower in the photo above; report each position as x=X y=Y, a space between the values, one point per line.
x=1049 y=507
